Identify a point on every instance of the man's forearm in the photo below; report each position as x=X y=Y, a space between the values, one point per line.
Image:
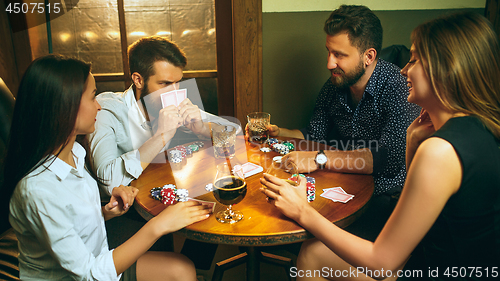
x=358 y=161
x=290 y=133
x=151 y=148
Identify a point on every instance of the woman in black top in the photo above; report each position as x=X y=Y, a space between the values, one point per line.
x=447 y=220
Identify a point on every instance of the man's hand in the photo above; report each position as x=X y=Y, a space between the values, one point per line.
x=273 y=131
x=169 y=120
x=191 y=117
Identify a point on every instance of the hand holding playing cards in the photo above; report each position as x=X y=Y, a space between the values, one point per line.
x=191 y=117
x=290 y=200
x=304 y=160
x=169 y=120
x=180 y=215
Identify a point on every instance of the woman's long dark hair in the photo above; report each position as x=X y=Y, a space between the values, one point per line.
x=44 y=116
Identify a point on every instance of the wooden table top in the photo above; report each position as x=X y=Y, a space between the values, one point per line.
x=263 y=224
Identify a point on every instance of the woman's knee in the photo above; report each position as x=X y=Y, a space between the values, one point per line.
x=308 y=252
x=165 y=266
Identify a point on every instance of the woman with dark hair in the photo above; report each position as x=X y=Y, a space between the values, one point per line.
x=447 y=221
x=55 y=208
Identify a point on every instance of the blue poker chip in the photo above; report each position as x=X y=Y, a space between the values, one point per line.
x=272 y=141
x=189 y=151
x=156 y=193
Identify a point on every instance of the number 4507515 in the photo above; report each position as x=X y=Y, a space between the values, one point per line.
x=40 y=8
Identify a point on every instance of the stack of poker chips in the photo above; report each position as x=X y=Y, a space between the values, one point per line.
x=282 y=148
x=310 y=186
x=177 y=154
x=182 y=149
x=176 y=158
x=168 y=194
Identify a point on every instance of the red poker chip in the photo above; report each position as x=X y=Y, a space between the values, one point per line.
x=180 y=148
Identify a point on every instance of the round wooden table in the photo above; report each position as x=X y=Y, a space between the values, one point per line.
x=263 y=224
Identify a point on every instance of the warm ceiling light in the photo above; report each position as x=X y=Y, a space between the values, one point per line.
x=64 y=36
x=138 y=33
x=90 y=35
x=163 y=33
x=113 y=34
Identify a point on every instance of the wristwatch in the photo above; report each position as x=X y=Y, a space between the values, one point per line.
x=321 y=159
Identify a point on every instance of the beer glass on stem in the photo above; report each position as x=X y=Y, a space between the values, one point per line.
x=229 y=188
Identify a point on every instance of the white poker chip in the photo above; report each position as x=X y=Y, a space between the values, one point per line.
x=277 y=159
x=265 y=149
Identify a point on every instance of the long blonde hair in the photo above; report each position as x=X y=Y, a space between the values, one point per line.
x=461 y=55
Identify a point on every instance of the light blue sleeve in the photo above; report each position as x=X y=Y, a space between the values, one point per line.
x=112 y=164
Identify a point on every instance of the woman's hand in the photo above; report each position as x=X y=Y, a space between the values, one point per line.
x=122 y=198
x=180 y=215
x=303 y=160
x=419 y=130
x=290 y=200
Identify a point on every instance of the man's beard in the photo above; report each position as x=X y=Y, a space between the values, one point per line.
x=349 y=79
x=145 y=90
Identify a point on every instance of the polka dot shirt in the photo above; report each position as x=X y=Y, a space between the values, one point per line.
x=379 y=122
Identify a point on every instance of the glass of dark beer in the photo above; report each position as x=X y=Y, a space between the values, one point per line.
x=229 y=188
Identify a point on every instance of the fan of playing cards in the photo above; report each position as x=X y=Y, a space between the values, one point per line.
x=173 y=97
x=336 y=194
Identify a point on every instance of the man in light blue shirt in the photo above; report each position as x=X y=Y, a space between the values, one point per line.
x=126 y=140
x=130 y=131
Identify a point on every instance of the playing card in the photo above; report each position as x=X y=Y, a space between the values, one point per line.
x=338 y=188
x=337 y=196
x=169 y=98
x=181 y=95
x=209 y=204
x=250 y=169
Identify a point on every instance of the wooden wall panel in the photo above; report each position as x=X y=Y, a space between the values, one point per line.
x=239 y=57
x=225 y=71
x=8 y=68
x=247 y=57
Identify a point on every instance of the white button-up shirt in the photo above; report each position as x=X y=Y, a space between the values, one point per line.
x=56 y=214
